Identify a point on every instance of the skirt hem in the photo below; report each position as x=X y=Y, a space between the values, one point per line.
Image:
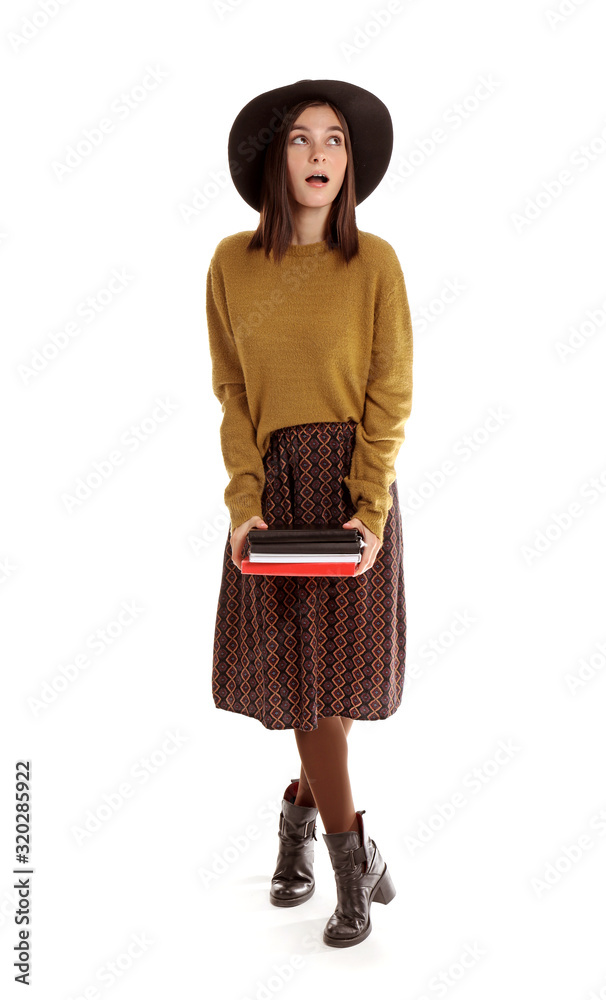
x=310 y=729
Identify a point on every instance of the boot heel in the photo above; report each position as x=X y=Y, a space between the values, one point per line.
x=385 y=889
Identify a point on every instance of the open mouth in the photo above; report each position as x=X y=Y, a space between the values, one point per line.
x=317 y=180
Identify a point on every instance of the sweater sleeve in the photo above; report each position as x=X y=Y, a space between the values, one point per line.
x=241 y=456
x=380 y=433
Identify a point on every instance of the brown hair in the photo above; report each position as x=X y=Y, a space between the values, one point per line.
x=275 y=228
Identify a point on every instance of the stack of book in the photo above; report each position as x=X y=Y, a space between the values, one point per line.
x=304 y=551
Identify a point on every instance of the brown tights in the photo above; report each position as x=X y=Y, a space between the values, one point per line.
x=323 y=753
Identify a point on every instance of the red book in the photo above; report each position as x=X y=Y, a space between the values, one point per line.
x=299 y=568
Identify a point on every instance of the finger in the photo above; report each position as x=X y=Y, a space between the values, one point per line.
x=236 y=551
x=361 y=567
x=368 y=559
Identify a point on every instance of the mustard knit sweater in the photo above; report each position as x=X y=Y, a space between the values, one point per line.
x=310 y=339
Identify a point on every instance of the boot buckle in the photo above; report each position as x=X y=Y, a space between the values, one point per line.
x=358 y=856
x=310 y=822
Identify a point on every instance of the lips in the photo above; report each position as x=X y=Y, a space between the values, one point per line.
x=318 y=179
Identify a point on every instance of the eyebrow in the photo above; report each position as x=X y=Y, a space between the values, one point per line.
x=329 y=128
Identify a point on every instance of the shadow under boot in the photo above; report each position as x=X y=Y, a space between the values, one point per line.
x=362 y=878
x=293 y=880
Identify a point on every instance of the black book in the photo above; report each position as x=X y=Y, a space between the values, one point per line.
x=305 y=541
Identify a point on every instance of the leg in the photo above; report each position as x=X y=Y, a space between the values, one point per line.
x=305 y=796
x=347 y=724
x=323 y=754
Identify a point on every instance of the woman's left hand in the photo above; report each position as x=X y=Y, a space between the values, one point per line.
x=370 y=551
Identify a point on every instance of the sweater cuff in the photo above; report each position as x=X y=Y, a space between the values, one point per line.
x=240 y=511
x=373 y=520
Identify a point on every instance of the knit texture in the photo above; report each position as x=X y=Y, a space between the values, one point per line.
x=310 y=339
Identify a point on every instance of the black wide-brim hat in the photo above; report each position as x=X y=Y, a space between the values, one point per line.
x=368 y=120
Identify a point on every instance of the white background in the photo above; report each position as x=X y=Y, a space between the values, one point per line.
x=494 y=900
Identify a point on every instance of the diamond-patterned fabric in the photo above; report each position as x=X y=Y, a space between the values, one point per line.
x=289 y=650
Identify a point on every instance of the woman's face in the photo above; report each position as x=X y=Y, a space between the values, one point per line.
x=316 y=144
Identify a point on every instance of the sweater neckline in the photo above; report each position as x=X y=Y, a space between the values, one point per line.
x=307 y=249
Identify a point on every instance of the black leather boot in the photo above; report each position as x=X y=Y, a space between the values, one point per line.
x=362 y=878
x=293 y=880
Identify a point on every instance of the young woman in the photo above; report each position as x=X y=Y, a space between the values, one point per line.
x=311 y=347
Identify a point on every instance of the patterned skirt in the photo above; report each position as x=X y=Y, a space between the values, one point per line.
x=289 y=650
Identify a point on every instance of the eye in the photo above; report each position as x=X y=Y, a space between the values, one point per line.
x=337 y=137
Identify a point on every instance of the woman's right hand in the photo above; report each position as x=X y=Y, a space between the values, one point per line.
x=238 y=537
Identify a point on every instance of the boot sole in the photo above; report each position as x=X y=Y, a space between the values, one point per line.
x=277 y=901
x=383 y=892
